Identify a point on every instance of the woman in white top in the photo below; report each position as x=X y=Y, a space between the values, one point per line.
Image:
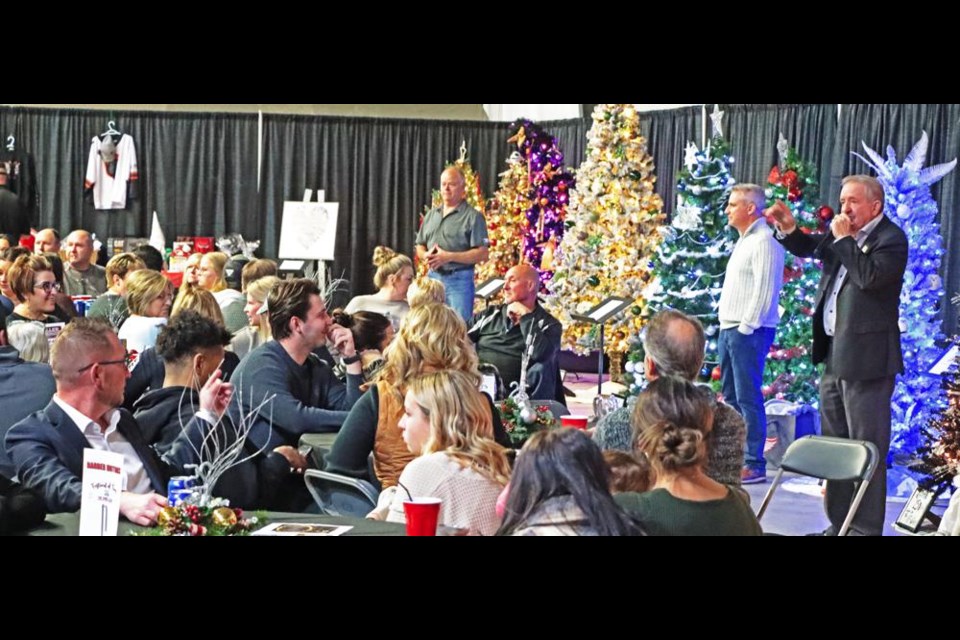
x=149 y=297
x=258 y=331
x=231 y=301
x=393 y=278
x=446 y=423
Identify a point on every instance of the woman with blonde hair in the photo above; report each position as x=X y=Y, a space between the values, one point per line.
x=671 y=421
x=35 y=287
x=393 y=278
x=426 y=292
x=201 y=301
x=149 y=296
x=258 y=331
x=211 y=277
x=431 y=338
x=447 y=426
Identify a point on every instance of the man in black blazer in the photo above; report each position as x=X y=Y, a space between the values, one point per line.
x=855 y=331
x=90 y=368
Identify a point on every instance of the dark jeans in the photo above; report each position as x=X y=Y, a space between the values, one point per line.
x=741 y=369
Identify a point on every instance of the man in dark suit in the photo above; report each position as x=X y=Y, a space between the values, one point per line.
x=856 y=331
x=90 y=368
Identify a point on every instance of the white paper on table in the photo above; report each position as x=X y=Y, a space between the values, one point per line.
x=302 y=529
x=100 y=500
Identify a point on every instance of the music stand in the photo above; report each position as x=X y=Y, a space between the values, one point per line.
x=488 y=289
x=599 y=316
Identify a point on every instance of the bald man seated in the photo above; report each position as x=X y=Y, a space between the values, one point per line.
x=80 y=276
x=500 y=334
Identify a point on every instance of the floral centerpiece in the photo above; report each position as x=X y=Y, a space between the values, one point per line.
x=215 y=519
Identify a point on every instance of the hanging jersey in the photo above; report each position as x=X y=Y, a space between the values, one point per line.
x=110 y=170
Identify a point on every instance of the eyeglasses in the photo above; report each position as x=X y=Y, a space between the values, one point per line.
x=127 y=359
x=47 y=286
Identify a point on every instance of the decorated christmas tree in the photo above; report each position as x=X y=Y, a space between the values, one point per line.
x=474 y=196
x=690 y=263
x=526 y=223
x=910 y=205
x=789 y=373
x=505 y=219
x=611 y=232
x=939 y=448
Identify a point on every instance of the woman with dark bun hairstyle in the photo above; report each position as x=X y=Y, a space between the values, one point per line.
x=372 y=332
x=671 y=421
x=393 y=278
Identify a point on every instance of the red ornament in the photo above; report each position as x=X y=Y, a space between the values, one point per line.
x=790 y=179
x=715 y=374
x=774 y=177
x=825 y=213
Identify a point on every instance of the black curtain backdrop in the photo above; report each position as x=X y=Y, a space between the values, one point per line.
x=667 y=133
x=753 y=131
x=197 y=171
x=382 y=172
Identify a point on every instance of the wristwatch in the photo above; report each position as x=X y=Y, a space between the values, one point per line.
x=354 y=358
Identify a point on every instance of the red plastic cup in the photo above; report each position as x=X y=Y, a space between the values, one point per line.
x=574 y=422
x=422 y=515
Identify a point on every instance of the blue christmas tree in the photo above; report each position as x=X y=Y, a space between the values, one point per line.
x=917 y=397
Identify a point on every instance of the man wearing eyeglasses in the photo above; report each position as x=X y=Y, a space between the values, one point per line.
x=90 y=368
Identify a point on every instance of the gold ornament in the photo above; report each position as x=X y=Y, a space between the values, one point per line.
x=224 y=517
x=167 y=515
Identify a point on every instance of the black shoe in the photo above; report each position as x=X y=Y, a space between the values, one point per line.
x=829 y=531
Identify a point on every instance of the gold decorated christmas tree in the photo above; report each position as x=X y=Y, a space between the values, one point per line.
x=611 y=231
x=505 y=219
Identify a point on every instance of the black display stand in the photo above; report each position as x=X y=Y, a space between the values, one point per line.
x=599 y=316
x=917 y=509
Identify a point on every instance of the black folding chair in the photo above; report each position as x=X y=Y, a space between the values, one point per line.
x=338 y=495
x=830 y=459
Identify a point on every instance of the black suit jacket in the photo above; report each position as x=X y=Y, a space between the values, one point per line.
x=866 y=342
x=47 y=451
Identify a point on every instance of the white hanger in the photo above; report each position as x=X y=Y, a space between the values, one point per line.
x=11 y=143
x=111 y=130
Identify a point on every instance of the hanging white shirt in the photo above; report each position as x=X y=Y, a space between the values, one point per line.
x=110 y=191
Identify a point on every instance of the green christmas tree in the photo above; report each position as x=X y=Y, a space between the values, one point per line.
x=690 y=263
x=789 y=373
x=612 y=232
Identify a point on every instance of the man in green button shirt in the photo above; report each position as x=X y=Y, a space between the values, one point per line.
x=452 y=239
